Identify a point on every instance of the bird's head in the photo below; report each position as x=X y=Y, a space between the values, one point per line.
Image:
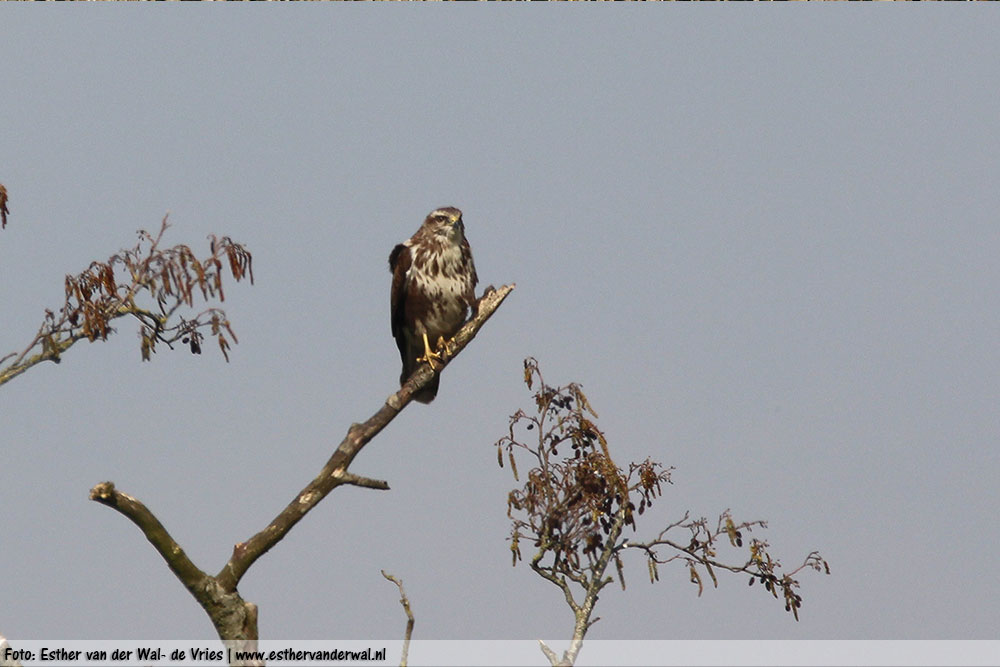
x=447 y=223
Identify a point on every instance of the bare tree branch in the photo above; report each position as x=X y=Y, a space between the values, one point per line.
x=234 y=618
x=405 y=601
x=334 y=473
x=357 y=480
x=178 y=561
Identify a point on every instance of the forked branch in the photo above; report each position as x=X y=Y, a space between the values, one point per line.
x=232 y=616
x=405 y=601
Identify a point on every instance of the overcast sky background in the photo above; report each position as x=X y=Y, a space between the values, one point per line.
x=766 y=241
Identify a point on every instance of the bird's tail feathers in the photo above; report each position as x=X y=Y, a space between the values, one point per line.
x=429 y=391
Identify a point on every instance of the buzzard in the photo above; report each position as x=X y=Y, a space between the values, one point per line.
x=433 y=288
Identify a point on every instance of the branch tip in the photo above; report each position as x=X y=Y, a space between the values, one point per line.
x=102 y=492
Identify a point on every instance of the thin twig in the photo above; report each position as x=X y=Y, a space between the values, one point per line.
x=405 y=601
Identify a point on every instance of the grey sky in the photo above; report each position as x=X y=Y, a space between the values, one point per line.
x=765 y=240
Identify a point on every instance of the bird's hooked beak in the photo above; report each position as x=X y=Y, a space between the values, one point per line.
x=457 y=227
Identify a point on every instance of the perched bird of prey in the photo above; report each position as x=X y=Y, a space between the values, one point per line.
x=433 y=288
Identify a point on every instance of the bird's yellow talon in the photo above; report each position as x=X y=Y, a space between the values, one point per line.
x=446 y=346
x=429 y=354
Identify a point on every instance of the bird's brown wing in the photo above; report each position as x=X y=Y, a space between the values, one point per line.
x=399 y=262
